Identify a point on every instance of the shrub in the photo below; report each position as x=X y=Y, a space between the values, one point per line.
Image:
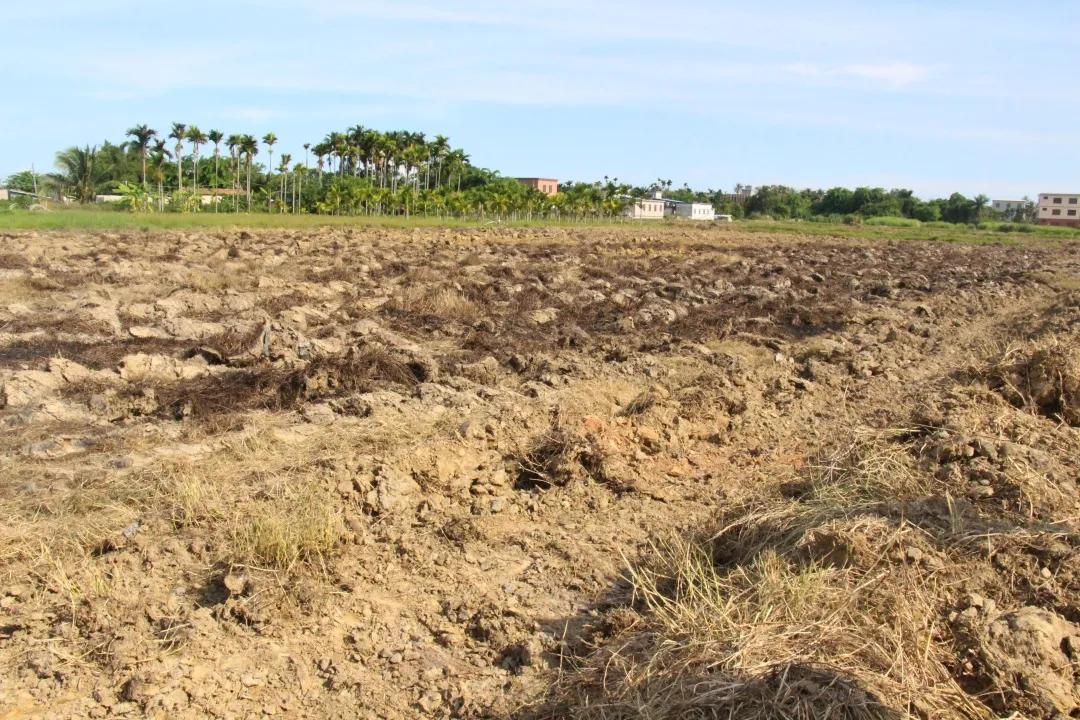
x=889 y=221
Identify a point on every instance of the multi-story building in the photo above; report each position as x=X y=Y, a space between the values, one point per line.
x=1059 y=209
x=645 y=208
x=548 y=186
x=694 y=211
x=1011 y=209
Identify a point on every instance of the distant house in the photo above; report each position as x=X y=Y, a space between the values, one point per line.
x=740 y=196
x=4 y=194
x=209 y=196
x=548 y=186
x=108 y=198
x=693 y=211
x=1059 y=209
x=645 y=208
x=1009 y=209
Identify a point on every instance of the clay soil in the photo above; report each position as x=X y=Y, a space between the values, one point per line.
x=608 y=472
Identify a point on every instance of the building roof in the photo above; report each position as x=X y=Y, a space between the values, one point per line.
x=635 y=197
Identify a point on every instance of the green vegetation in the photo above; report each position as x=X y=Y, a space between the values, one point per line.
x=96 y=218
x=360 y=172
x=401 y=174
x=889 y=221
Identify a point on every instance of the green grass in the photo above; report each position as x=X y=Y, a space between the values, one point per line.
x=113 y=219
x=986 y=233
x=97 y=219
x=892 y=222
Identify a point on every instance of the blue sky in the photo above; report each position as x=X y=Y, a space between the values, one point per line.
x=936 y=96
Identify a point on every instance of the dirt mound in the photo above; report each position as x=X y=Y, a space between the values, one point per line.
x=1031 y=657
x=848 y=570
x=459 y=472
x=1044 y=377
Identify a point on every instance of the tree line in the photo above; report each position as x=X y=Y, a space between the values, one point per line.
x=846 y=205
x=364 y=171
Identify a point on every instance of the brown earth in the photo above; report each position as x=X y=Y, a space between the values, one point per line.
x=624 y=472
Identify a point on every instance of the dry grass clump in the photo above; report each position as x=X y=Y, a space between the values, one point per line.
x=440 y=302
x=553 y=459
x=1044 y=377
x=106 y=354
x=770 y=637
x=271 y=387
x=259 y=495
x=219 y=280
x=829 y=599
x=13 y=261
x=302 y=525
x=58 y=323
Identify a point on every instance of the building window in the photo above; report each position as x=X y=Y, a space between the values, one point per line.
x=1072 y=213
x=1072 y=201
x=1056 y=212
x=1057 y=201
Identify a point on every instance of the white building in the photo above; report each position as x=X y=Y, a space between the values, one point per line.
x=645 y=208
x=1059 y=209
x=1009 y=209
x=695 y=211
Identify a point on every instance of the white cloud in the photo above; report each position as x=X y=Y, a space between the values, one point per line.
x=896 y=74
x=892 y=73
x=251 y=113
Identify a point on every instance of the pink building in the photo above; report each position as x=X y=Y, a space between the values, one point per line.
x=547 y=186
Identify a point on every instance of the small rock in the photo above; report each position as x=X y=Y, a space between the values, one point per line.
x=913 y=554
x=544 y=316
x=234 y=583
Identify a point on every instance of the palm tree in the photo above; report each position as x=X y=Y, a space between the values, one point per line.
x=79 y=173
x=339 y=145
x=216 y=136
x=413 y=157
x=250 y=147
x=269 y=139
x=980 y=202
x=384 y=150
x=459 y=160
x=298 y=186
x=142 y=134
x=197 y=138
x=283 y=184
x=178 y=133
x=437 y=151
x=233 y=142
x=321 y=149
x=300 y=178
x=161 y=153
